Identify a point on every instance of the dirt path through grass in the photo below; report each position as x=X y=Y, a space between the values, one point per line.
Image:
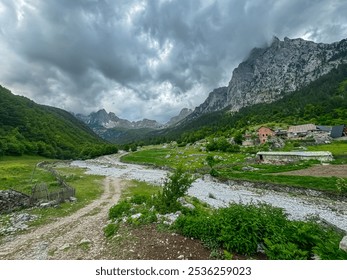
x=78 y=236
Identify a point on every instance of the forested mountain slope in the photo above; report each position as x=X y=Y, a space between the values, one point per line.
x=323 y=101
x=29 y=128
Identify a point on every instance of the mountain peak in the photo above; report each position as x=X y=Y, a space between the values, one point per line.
x=183 y=114
x=109 y=120
x=269 y=72
x=281 y=68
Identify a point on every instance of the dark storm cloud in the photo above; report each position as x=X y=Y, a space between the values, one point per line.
x=145 y=58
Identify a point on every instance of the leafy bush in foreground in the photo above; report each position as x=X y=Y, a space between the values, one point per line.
x=111 y=229
x=175 y=186
x=243 y=229
x=119 y=210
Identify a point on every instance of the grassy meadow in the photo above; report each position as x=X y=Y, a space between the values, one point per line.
x=239 y=166
x=18 y=173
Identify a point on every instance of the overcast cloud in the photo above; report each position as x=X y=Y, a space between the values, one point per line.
x=145 y=59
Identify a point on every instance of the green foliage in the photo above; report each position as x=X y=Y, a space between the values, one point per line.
x=17 y=173
x=341 y=185
x=32 y=129
x=227 y=255
x=324 y=102
x=139 y=199
x=147 y=217
x=221 y=144
x=150 y=156
x=111 y=229
x=284 y=251
x=212 y=161
x=238 y=138
x=229 y=165
x=119 y=210
x=243 y=228
x=175 y=186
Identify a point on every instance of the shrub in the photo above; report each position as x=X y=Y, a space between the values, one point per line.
x=119 y=210
x=175 y=186
x=222 y=144
x=243 y=228
x=341 y=185
x=111 y=229
x=147 y=217
x=139 y=199
x=284 y=251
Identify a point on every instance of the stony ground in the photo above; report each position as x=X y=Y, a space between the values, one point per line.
x=81 y=236
x=78 y=236
x=150 y=243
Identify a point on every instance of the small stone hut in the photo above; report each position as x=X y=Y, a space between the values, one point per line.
x=299 y=131
x=286 y=157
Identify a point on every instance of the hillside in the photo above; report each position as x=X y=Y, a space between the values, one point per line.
x=29 y=128
x=323 y=102
x=271 y=72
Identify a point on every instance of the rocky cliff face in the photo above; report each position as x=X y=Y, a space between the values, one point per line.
x=269 y=72
x=183 y=114
x=214 y=102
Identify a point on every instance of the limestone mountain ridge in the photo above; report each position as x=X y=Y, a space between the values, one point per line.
x=274 y=70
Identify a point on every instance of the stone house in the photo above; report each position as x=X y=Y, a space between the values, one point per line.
x=264 y=133
x=281 y=133
x=301 y=131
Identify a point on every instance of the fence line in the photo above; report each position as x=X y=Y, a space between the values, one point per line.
x=41 y=192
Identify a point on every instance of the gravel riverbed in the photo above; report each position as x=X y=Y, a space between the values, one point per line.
x=298 y=207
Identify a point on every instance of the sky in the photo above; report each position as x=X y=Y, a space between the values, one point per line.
x=145 y=59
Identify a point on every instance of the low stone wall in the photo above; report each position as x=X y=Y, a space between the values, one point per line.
x=288 y=157
x=11 y=200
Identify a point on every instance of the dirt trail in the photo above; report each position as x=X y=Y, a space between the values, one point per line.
x=78 y=236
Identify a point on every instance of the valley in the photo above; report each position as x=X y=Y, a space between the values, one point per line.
x=257 y=171
x=75 y=236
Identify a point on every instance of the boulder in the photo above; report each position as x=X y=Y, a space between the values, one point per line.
x=343 y=244
x=184 y=203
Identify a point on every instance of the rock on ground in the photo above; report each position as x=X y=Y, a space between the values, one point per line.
x=343 y=244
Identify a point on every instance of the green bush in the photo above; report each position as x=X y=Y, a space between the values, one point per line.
x=243 y=228
x=341 y=185
x=139 y=199
x=203 y=227
x=111 y=229
x=175 y=186
x=221 y=144
x=328 y=247
x=284 y=251
x=119 y=210
x=147 y=217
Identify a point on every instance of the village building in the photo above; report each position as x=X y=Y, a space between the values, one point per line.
x=287 y=157
x=248 y=141
x=281 y=133
x=264 y=133
x=300 y=131
x=324 y=129
x=338 y=131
